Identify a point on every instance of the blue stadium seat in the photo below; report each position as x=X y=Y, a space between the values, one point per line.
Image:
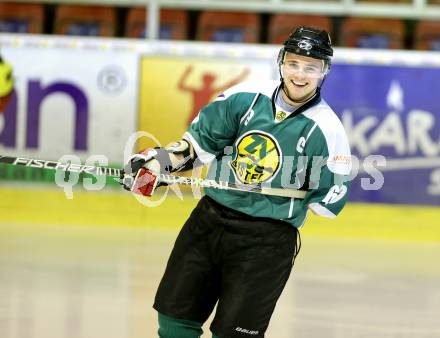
x=372 y=33
x=21 y=18
x=173 y=24
x=427 y=35
x=85 y=20
x=228 y=27
x=281 y=25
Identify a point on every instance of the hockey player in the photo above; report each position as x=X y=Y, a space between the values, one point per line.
x=6 y=84
x=237 y=249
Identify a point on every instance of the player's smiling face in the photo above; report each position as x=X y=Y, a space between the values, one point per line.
x=301 y=75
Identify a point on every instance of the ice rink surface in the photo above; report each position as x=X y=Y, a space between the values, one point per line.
x=99 y=280
x=91 y=282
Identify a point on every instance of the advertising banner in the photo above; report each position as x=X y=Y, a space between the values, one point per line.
x=69 y=99
x=174 y=89
x=394 y=112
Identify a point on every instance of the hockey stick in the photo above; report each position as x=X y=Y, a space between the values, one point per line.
x=162 y=178
x=67 y=167
x=206 y=183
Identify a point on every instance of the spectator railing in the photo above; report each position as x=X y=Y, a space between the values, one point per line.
x=404 y=9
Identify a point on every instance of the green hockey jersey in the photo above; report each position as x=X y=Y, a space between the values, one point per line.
x=247 y=139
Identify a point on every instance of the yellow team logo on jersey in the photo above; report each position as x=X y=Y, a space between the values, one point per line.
x=257 y=159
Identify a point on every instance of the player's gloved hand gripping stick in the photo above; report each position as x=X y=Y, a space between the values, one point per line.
x=141 y=174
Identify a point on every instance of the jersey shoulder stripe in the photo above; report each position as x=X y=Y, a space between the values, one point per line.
x=339 y=155
x=253 y=87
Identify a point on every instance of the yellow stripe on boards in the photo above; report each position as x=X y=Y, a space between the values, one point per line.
x=120 y=208
x=115 y=208
x=379 y=221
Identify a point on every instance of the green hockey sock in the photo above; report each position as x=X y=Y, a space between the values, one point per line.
x=170 y=327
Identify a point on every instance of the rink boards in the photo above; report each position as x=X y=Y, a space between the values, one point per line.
x=88 y=98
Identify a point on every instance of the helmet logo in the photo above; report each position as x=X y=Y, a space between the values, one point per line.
x=304 y=44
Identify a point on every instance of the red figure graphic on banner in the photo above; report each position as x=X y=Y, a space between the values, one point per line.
x=202 y=95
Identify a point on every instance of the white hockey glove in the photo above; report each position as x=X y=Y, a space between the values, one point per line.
x=143 y=167
x=141 y=174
